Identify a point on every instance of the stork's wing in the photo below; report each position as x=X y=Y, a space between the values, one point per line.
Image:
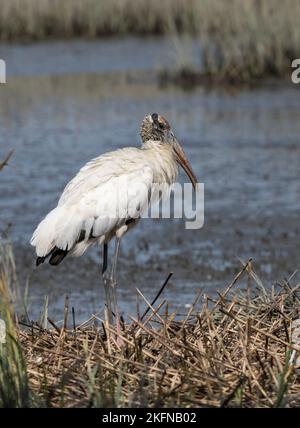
x=101 y=197
x=102 y=170
x=109 y=205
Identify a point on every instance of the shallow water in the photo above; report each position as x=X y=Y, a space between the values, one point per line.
x=66 y=102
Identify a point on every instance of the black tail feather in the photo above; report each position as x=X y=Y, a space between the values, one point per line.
x=57 y=256
x=39 y=260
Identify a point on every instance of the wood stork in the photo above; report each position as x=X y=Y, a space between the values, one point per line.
x=107 y=197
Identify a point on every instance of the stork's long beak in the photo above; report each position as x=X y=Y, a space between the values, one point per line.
x=184 y=163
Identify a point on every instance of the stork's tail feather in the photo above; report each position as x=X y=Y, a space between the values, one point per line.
x=56 y=257
x=61 y=232
x=56 y=235
x=40 y=260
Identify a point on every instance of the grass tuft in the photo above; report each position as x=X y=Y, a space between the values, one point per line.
x=233 y=351
x=14 y=388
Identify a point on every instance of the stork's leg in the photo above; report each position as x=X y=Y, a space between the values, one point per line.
x=113 y=280
x=115 y=260
x=106 y=282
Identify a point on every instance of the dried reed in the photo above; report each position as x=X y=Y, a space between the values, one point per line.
x=232 y=352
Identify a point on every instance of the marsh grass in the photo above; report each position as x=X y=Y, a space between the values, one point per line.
x=230 y=351
x=14 y=389
x=38 y=19
x=259 y=38
x=238 y=40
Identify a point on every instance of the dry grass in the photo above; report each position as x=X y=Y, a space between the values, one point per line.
x=37 y=19
x=258 y=38
x=4 y=162
x=234 y=351
x=238 y=40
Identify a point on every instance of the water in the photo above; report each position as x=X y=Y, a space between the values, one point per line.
x=66 y=102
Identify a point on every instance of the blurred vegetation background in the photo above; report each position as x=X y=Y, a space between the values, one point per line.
x=239 y=39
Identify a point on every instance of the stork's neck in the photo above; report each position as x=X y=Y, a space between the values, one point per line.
x=162 y=160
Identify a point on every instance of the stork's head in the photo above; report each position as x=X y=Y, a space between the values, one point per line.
x=156 y=128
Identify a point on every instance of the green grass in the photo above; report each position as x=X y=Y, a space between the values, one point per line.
x=14 y=388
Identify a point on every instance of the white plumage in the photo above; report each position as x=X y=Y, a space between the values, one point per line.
x=91 y=200
x=108 y=196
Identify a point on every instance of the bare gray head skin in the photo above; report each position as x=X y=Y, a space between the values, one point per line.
x=156 y=128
